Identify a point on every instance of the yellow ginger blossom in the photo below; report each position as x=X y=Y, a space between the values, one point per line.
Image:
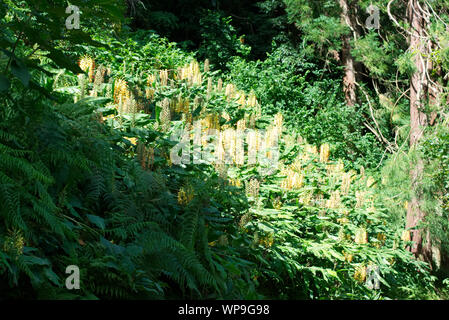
x=271 y=140
x=99 y=76
x=294 y=180
x=185 y=195
x=87 y=63
x=381 y=237
x=149 y=93
x=230 y=91
x=305 y=198
x=226 y=116
x=239 y=149
x=279 y=121
x=345 y=183
x=241 y=125
x=360 y=197
x=348 y=257
x=370 y=182
x=211 y=121
x=343 y=220
x=311 y=149
x=132 y=140
x=219 y=151
x=219 y=85
x=252 y=188
x=334 y=200
x=145 y=156
x=324 y=153
x=360 y=273
x=121 y=92
x=163 y=76
x=244 y=220
x=165 y=115
x=267 y=241
x=253 y=141
x=277 y=203
x=242 y=99
x=252 y=100
x=235 y=182
x=406 y=235
x=361 y=236
x=229 y=142
x=14 y=243
x=151 y=80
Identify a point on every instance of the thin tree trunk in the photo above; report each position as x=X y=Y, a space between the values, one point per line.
x=419 y=90
x=347 y=59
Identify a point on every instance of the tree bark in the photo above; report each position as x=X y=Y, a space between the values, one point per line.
x=347 y=59
x=419 y=96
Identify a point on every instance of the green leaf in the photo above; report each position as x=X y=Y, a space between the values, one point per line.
x=96 y=220
x=36 y=260
x=21 y=72
x=4 y=83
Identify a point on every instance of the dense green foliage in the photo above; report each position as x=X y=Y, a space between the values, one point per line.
x=87 y=121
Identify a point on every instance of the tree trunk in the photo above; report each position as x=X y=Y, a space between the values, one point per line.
x=419 y=97
x=347 y=59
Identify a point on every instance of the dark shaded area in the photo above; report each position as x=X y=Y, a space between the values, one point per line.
x=258 y=22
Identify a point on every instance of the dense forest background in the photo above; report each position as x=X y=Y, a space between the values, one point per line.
x=354 y=114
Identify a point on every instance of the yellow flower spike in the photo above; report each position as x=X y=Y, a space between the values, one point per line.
x=219 y=152
x=360 y=196
x=235 y=183
x=311 y=149
x=163 y=76
x=240 y=149
x=252 y=140
x=220 y=85
x=370 y=182
x=87 y=63
x=360 y=273
x=279 y=121
x=343 y=220
x=151 y=80
x=185 y=195
x=324 y=153
x=241 y=125
x=244 y=220
x=362 y=171
x=252 y=100
x=381 y=237
x=277 y=203
x=121 y=92
x=206 y=65
x=99 y=76
x=14 y=243
x=345 y=183
x=165 y=115
x=361 y=236
x=334 y=201
x=252 y=188
x=348 y=257
x=242 y=99
x=132 y=140
x=230 y=91
x=406 y=235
